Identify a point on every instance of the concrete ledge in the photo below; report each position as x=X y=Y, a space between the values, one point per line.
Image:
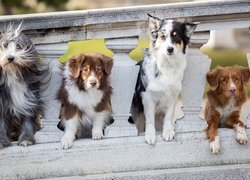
x=239 y=172
x=118 y=155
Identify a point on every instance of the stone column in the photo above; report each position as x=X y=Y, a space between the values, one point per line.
x=51 y=54
x=123 y=80
x=193 y=85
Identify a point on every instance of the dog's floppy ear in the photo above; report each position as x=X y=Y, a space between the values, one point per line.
x=107 y=64
x=75 y=64
x=190 y=27
x=245 y=74
x=154 y=24
x=212 y=79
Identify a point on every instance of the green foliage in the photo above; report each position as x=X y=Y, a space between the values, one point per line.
x=58 y=5
x=19 y=6
x=226 y=57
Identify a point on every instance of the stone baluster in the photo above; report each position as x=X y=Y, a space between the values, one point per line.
x=51 y=54
x=193 y=85
x=123 y=80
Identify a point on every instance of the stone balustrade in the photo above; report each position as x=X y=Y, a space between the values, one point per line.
x=122 y=28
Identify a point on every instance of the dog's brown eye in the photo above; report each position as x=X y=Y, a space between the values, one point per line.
x=223 y=80
x=19 y=47
x=99 y=68
x=85 y=69
x=237 y=78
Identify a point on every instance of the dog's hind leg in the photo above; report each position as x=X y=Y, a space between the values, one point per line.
x=4 y=140
x=27 y=131
x=168 y=132
x=149 y=111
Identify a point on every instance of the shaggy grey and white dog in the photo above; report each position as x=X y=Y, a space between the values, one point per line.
x=21 y=76
x=160 y=78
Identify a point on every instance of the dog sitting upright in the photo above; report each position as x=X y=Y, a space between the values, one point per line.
x=85 y=96
x=225 y=98
x=160 y=78
x=22 y=75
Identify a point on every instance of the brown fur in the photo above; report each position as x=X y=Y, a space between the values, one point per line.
x=219 y=97
x=81 y=66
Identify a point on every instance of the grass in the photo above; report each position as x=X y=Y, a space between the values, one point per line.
x=221 y=57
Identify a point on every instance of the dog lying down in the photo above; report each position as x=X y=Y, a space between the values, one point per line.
x=226 y=96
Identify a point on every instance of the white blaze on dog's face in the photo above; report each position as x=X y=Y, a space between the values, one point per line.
x=92 y=75
x=170 y=37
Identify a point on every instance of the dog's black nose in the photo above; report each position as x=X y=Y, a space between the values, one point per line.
x=170 y=50
x=10 y=59
x=93 y=84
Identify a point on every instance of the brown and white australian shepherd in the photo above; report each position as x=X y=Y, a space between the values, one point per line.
x=225 y=99
x=85 y=96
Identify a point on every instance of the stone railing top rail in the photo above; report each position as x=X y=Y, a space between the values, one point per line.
x=132 y=21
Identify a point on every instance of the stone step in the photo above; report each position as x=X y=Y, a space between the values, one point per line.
x=237 y=172
x=120 y=155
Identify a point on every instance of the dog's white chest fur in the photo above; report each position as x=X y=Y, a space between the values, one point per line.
x=86 y=101
x=168 y=83
x=18 y=92
x=227 y=110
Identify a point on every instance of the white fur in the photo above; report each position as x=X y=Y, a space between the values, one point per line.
x=215 y=145
x=18 y=89
x=84 y=100
x=71 y=126
x=227 y=110
x=162 y=91
x=241 y=135
x=232 y=85
x=98 y=123
x=92 y=78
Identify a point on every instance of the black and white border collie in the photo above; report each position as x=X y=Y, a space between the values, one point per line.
x=160 y=77
x=22 y=80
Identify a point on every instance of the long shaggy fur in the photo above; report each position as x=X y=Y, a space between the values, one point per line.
x=22 y=79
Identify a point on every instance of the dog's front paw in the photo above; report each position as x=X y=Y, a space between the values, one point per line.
x=26 y=143
x=4 y=142
x=97 y=135
x=168 y=135
x=26 y=140
x=150 y=136
x=215 y=145
x=67 y=141
x=241 y=136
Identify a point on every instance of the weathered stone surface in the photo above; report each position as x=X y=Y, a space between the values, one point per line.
x=118 y=155
x=131 y=156
x=110 y=23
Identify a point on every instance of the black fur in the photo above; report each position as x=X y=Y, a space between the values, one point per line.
x=180 y=29
x=140 y=87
